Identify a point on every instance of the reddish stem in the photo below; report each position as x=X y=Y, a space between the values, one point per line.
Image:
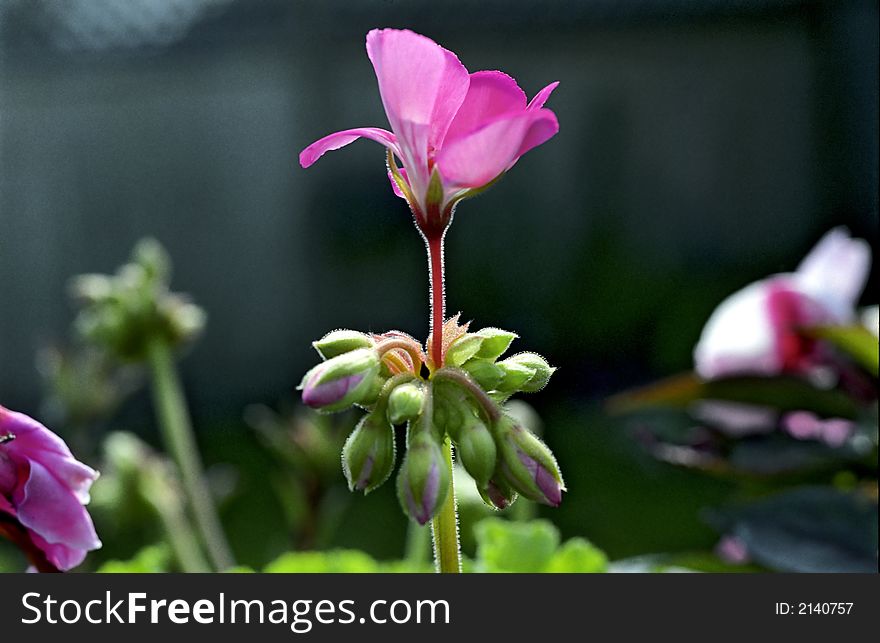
x=438 y=299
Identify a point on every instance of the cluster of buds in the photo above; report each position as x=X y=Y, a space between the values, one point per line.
x=123 y=312
x=458 y=395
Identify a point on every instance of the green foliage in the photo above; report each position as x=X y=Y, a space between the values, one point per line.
x=505 y=546
x=154 y=559
x=349 y=561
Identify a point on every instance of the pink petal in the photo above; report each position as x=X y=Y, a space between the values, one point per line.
x=540 y=131
x=476 y=159
x=34 y=442
x=835 y=271
x=542 y=96
x=491 y=94
x=50 y=510
x=422 y=86
x=63 y=556
x=340 y=139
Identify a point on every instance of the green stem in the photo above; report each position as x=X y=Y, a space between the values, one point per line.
x=417 y=539
x=177 y=432
x=444 y=527
x=178 y=530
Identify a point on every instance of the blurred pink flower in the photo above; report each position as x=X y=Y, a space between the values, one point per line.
x=43 y=490
x=756 y=330
x=804 y=425
x=452 y=131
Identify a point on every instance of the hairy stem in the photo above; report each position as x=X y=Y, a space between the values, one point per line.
x=178 y=435
x=444 y=526
x=487 y=404
x=438 y=299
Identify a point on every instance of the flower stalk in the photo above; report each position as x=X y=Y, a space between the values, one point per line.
x=177 y=433
x=444 y=526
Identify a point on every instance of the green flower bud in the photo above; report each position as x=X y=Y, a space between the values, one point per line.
x=405 y=403
x=542 y=370
x=495 y=342
x=185 y=320
x=475 y=448
x=513 y=376
x=341 y=381
x=423 y=481
x=91 y=288
x=462 y=349
x=368 y=453
x=153 y=259
x=527 y=464
x=485 y=372
x=341 y=341
x=486 y=344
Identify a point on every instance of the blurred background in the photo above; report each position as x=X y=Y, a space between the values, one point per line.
x=703 y=145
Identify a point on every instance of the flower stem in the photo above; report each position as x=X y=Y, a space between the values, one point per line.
x=437 y=293
x=417 y=538
x=177 y=432
x=444 y=526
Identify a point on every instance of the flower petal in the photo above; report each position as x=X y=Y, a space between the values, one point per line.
x=491 y=94
x=738 y=337
x=33 y=441
x=835 y=272
x=422 y=86
x=50 y=510
x=542 y=96
x=477 y=158
x=340 y=139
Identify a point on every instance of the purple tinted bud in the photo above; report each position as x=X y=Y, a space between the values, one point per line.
x=423 y=482
x=341 y=381
x=548 y=485
x=319 y=395
x=527 y=464
x=368 y=453
x=498 y=494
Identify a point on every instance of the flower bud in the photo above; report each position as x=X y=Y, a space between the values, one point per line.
x=495 y=342
x=485 y=372
x=341 y=341
x=405 y=403
x=513 y=376
x=340 y=381
x=486 y=344
x=475 y=448
x=462 y=349
x=368 y=453
x=498 y=493
x=423 y=481
x=527 y=464
x=541 y=370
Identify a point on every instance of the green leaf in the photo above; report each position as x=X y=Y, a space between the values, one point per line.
x=577 y=556
x=154 y=559
x=856 y=341
x=350 y=561
x=807 y=529
x=505 y=546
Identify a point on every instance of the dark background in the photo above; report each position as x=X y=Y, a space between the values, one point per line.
x=703 y=145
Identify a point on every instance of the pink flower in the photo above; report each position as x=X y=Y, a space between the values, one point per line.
x=454 y=132
x=43 y=490
x=757 y=330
